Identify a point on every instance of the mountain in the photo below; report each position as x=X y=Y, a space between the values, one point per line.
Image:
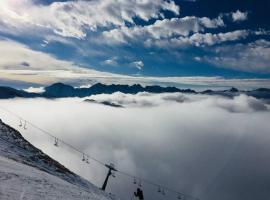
x=261 y=93
x=28 y=173
x=106 y=103
x=8 y=92
x=60 y=90
x=232 y=92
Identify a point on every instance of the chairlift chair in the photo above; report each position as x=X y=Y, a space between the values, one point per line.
x=25 y=127
x=20 y=125
x=140 y=183
x=56 y=142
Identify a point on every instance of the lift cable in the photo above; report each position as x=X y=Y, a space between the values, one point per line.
x=85 y=155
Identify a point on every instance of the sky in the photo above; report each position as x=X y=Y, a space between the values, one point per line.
x=210 y=147
x=46 y=41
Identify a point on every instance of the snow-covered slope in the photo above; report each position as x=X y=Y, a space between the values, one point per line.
x=28 y=173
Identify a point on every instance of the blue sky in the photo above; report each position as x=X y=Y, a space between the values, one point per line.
x=136 y=38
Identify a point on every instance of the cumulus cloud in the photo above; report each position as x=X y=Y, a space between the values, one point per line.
x=211 y=147
x=239 y=16
x=75 y=18
x=143 y=99
x=241 y=103
x=179 y=32
x=112 y=61
x=200 y=39
x=165 y=28
x=251 y=57
x=111 y=22
x=137 y=64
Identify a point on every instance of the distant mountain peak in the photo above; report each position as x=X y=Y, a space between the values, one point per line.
x=59 y=86
x=61 y=90
x=233 y=89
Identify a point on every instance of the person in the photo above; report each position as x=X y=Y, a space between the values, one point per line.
x=139 y=194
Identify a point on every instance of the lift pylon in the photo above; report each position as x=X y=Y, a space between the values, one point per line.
x=110 y=172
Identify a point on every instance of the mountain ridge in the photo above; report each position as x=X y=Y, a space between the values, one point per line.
x=61 y=90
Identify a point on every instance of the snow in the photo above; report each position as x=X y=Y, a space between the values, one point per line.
x=28 y=173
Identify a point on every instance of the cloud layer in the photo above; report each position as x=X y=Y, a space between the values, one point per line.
x=211 y=147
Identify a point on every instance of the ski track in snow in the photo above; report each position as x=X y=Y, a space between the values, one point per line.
x=19 y=181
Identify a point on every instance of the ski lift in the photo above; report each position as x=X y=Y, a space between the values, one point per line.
x=159 y=190
x=112 y=165
x=134 y=181
x=25 y=127
x=56 y=142
x=83 y=158
x=20 y=125
x=113 y=175
x=163 y=192
x=140 y=183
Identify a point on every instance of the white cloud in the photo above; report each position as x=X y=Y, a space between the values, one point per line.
x=14 y=54
x=200 y=39
x=162 y=29
x=251 y=57
x=262 y=32
x=137 y=64
x=44 y=43
x=238 y=104
x=211 y=39
x=172 y=143
x=75 y=18
x=20 y=63
x=35 y=89
x=112 y=61
x=238 y=16
x=197 y=58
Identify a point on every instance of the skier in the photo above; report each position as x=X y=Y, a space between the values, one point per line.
x=139 y=194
